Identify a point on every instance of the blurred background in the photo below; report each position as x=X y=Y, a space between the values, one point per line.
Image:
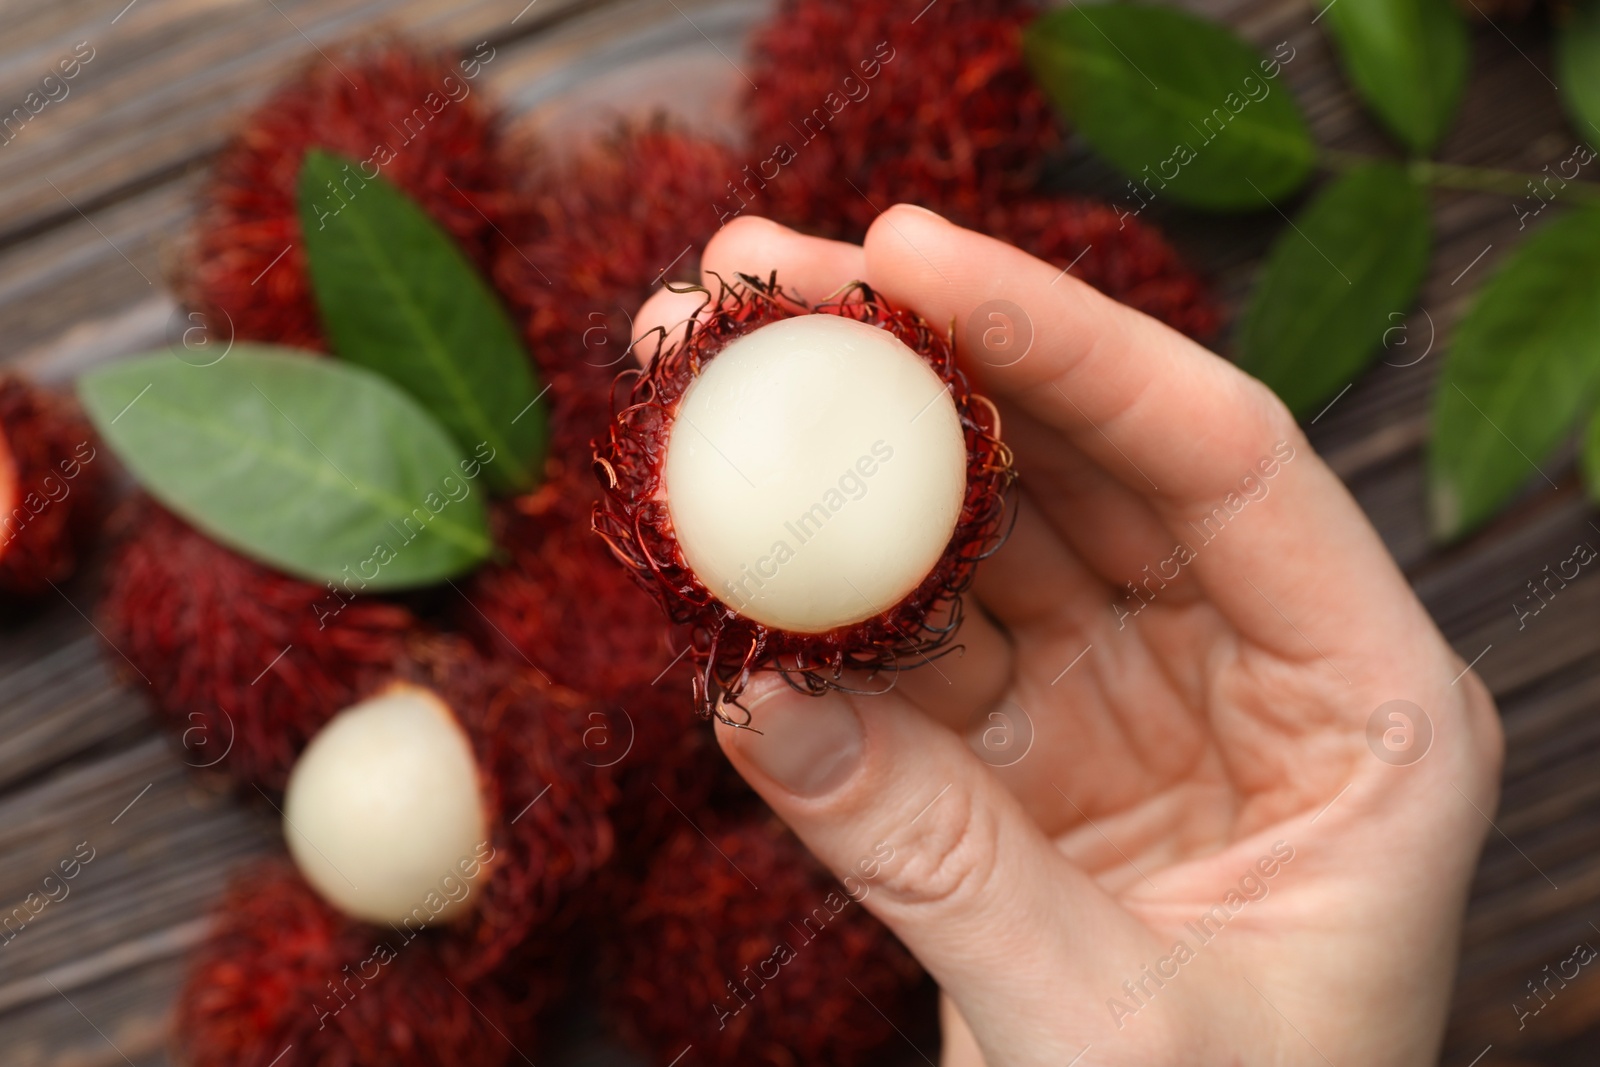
x=98 y=190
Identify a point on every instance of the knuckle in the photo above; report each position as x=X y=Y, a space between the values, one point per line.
x=950 y=857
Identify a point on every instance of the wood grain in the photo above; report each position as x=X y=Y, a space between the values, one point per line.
x=94 y=197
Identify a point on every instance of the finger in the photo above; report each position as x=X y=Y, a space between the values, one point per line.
x=811 y=268
x=957 y=687
x=666 y=311
x=1202 y=441
x=1112 y=529
x=1035 y=579
x=930 y=842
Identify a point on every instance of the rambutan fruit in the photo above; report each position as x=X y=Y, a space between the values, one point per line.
x=411 y=116
x=285 y=980
x=455 y=796
x=52 y=487
x=590 y=238
x=864 y=105
x=740 y=944
x=557 y=601
x=1122 y=257
x=245 y=663
x=805 y=487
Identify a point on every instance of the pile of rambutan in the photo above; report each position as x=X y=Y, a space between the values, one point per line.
x=555 y=711
x=52 y=488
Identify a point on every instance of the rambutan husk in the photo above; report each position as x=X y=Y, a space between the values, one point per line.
x=246 y=269
x=244 y=663
x=558 y=602
x=953 y=120
x=739 y=943
x=53 y=487
x=633 y=518
x=590 y=236
x=284 y=980
x=546 y=798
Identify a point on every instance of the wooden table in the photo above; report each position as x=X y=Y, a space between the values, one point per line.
x=94 y=197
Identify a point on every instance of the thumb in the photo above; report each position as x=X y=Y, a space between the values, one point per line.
x=932 y=844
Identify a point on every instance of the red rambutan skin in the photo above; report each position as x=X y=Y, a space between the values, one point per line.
x=952 y=119
x=697 y=925
x=1128 y=260
x=559 y=602
x=53 y=487
x=591 y=236
x=240 y=659
x=446 y=154
x=633 y=517
x=545 y=797
x=281 y=968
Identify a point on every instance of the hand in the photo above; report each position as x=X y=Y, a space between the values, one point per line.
x=1206 y=855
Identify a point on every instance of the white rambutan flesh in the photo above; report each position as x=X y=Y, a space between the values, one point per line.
x=385 y=805
x=815 y=472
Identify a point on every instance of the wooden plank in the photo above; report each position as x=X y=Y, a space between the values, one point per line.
x=169 y=79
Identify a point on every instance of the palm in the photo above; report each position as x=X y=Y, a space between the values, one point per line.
x=1172 y=750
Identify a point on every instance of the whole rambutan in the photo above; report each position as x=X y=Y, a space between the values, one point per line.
x=414 y=117
x=1113 y=251
x=674 y=771
x=52 y=487
x=284 y=980
x=805 y=487
x=458 y=796
x=590 y=238
x=243 y=662
x=558 y=601
x=858 y=106
x=740 y=944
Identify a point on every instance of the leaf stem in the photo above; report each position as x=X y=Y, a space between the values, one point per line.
x=1473 y=179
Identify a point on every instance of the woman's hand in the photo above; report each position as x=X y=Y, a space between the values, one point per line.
x=1158 y=824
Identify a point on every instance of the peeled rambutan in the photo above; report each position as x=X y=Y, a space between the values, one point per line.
x=457 y=797
x=52 y=487
x=284 y=980
x=243 y=662
x=412 y=116
x=589 y=239
x=1113 y=251
x=805 y=487
x=740 y=944
x=864 y=105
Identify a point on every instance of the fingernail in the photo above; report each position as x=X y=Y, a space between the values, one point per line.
x=924 y=211
x=808 y=745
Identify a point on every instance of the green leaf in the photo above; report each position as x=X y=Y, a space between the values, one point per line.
x=1578 y=69
x=1178 y=103
x=1590 y=456
x=1523 y=369
x=1334 y=283
x=1408 y=59
x=398 y=297
x=318 y=468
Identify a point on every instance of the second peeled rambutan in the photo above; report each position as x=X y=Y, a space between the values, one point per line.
x=411 y=116
x=805 y=487
x=458 y=796
x=52 y=487
x=244 y=663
